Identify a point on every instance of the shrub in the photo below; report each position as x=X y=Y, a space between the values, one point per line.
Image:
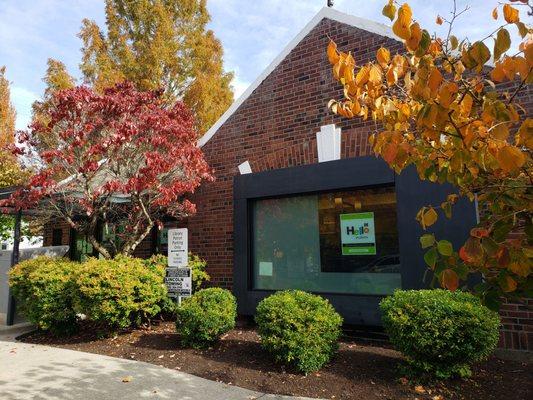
x=441 y=333
x=299 y=328
x=205 y=316
x=119 y=292
x=43 y=289
x=197 y=265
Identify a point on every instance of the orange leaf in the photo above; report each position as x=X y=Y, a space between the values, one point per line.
x=510 y=14
x=498 y=74
x=439 y=20
x=520 y=269
x=435 y=79
x=510 y=158
x=416 y=35
x=449 y=279
x=401 y=26
x=495 y=13
x=362 y=76
x=508 y=284
x=333 y=55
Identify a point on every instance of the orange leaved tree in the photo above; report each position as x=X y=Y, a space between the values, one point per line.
x=440 y=108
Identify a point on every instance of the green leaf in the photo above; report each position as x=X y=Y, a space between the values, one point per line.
x=490 y=246
x=389 y=10
x=431 y=257
x=502 y=43
x=500 y=230
x=427 y=240
x=423 y=46
x=445 y=248
x=454 y=42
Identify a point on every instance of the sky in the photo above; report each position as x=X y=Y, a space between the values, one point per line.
x=253 y=33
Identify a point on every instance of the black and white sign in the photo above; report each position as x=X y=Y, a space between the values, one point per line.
x=178 y=247
x=179 y=282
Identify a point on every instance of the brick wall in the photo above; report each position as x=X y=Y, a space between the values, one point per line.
x=275 y=128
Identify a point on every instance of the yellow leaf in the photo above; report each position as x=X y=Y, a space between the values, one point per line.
x=510 y=14
x=427 y=216
x=333 y=55
x=383 y=56
x=392 y=76
x=375 y=74
x=389 y=10
x=362 y=76
x=495 y=13
x=502 y=43
x=401 y=26
x=520 y=269
x=510 y=158
x=466 y=105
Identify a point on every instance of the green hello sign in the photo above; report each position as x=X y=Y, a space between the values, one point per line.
x=358 y=235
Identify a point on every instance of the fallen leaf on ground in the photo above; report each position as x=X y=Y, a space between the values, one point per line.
x=127 y=379
x=420 y=389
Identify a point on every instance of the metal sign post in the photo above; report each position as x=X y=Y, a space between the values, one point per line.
x=178 y=276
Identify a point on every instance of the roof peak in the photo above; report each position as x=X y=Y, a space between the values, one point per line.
x=325 y=12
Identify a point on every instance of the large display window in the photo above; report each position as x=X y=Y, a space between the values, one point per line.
x=332 y=242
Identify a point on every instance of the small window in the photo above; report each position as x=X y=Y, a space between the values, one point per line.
x=335 y=242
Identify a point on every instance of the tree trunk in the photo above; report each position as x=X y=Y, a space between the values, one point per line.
x=98 y=246
x=130 y=247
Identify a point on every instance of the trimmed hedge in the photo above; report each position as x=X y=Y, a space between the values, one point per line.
x=441 y=333
x=205 y=316
x=120 y=292
x=43 y=289
x=299 y=328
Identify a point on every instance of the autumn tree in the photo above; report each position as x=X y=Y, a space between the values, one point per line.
x=56 y=78
x=11 y=173
x=441 y=109
x=128 y=157
x=160 y=43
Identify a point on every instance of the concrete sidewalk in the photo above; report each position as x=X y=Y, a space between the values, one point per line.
x=40 y=372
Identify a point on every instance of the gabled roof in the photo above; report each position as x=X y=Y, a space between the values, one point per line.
x=326 y=12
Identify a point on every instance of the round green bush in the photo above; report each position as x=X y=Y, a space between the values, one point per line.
x=205 y=316
x=120 y=292
x=43 y=289
x=441 y=333
x=299 y=328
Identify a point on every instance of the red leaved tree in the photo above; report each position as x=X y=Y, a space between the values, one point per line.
x=121 y=156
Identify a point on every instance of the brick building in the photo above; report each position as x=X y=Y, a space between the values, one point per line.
x=282 y=226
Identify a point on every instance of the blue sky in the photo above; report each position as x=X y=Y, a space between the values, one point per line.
x=252 y=33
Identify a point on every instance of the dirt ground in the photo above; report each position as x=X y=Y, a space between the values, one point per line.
x=359 y=371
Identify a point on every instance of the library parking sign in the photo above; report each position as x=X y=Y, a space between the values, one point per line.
x=358 y=236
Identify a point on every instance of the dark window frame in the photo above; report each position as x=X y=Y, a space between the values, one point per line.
x=351 y=173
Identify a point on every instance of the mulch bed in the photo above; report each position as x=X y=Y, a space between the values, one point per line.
x=359 y=371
